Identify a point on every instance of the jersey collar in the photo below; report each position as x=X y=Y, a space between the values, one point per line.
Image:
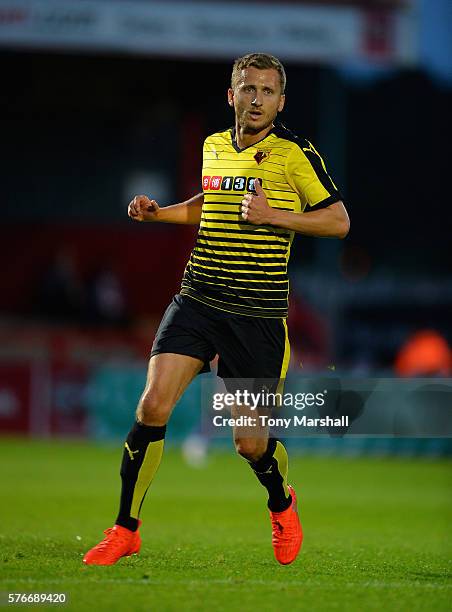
x=234 y=141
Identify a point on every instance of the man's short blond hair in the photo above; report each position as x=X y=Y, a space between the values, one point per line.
x=262 y=61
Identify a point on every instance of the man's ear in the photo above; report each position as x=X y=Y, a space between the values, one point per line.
x=282 y=101
x=230 y=97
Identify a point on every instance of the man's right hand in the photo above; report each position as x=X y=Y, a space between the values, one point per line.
x=141 y=208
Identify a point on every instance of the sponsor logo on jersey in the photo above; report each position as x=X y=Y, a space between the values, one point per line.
x=228 y=183
x=215 y=183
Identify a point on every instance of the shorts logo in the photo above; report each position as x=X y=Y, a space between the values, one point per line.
x=260 y=156
x=228 y=183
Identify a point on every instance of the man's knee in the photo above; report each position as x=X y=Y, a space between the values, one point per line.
x=153 y=409
x=251 y=449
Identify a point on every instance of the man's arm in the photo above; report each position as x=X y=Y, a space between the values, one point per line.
x=141 y=208
x=330 y=222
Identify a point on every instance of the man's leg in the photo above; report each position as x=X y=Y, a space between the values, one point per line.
x=268 y=459
x=168 y=376
x=254 y=356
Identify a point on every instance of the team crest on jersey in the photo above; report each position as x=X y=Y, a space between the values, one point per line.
x=261 y=155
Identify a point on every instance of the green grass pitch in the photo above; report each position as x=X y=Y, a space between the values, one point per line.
x=377 y=533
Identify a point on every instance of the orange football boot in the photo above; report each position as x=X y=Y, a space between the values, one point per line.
x=119 y=542
x=287 y=534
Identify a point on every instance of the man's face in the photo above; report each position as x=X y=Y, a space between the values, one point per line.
x=256 y=99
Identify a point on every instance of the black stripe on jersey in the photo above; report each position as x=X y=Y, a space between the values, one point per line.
x=243 y=242
x=208 y=197
x=245 y=258
x=232 y=161
x=277 y=154
x=239 y=272
x=248 y=161
x=241 y=222
x=247 y=228
x=241 y=161
x=282 y=292
x=247 y=272
x=223 y=202
x=280 y=199
x=238 y=204
x=279 y=268
x=210 y=285
x=239 y=169
x=221 y=212
x=245 y=285
x=256 y=283
x=234 y=249
x=223 y=257
x=267 y=186
x=247 y=244
x=254 y=298
x=232 y=298
x=266 y=161
x=243 y=232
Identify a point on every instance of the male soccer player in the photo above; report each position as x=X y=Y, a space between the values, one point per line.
x=261 y=184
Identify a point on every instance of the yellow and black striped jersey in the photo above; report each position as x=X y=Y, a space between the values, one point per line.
x=236 y=266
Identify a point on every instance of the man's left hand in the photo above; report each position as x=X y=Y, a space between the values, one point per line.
x=255 y=208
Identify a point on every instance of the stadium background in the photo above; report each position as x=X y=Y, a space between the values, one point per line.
x=85 y=126
x=90 y=116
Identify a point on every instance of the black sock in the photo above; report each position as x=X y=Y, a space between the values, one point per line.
x=143 y=451
x=271 y=470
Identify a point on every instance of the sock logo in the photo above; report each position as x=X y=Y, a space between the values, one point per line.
x=130 y=451
x=269 y=471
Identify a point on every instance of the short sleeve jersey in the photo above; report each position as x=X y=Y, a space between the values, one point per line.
x=236 y=266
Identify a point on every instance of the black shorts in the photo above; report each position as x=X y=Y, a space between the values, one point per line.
x=248 y=347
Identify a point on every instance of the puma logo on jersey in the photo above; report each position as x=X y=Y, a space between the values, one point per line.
x=130 y=451
x=310 y=149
